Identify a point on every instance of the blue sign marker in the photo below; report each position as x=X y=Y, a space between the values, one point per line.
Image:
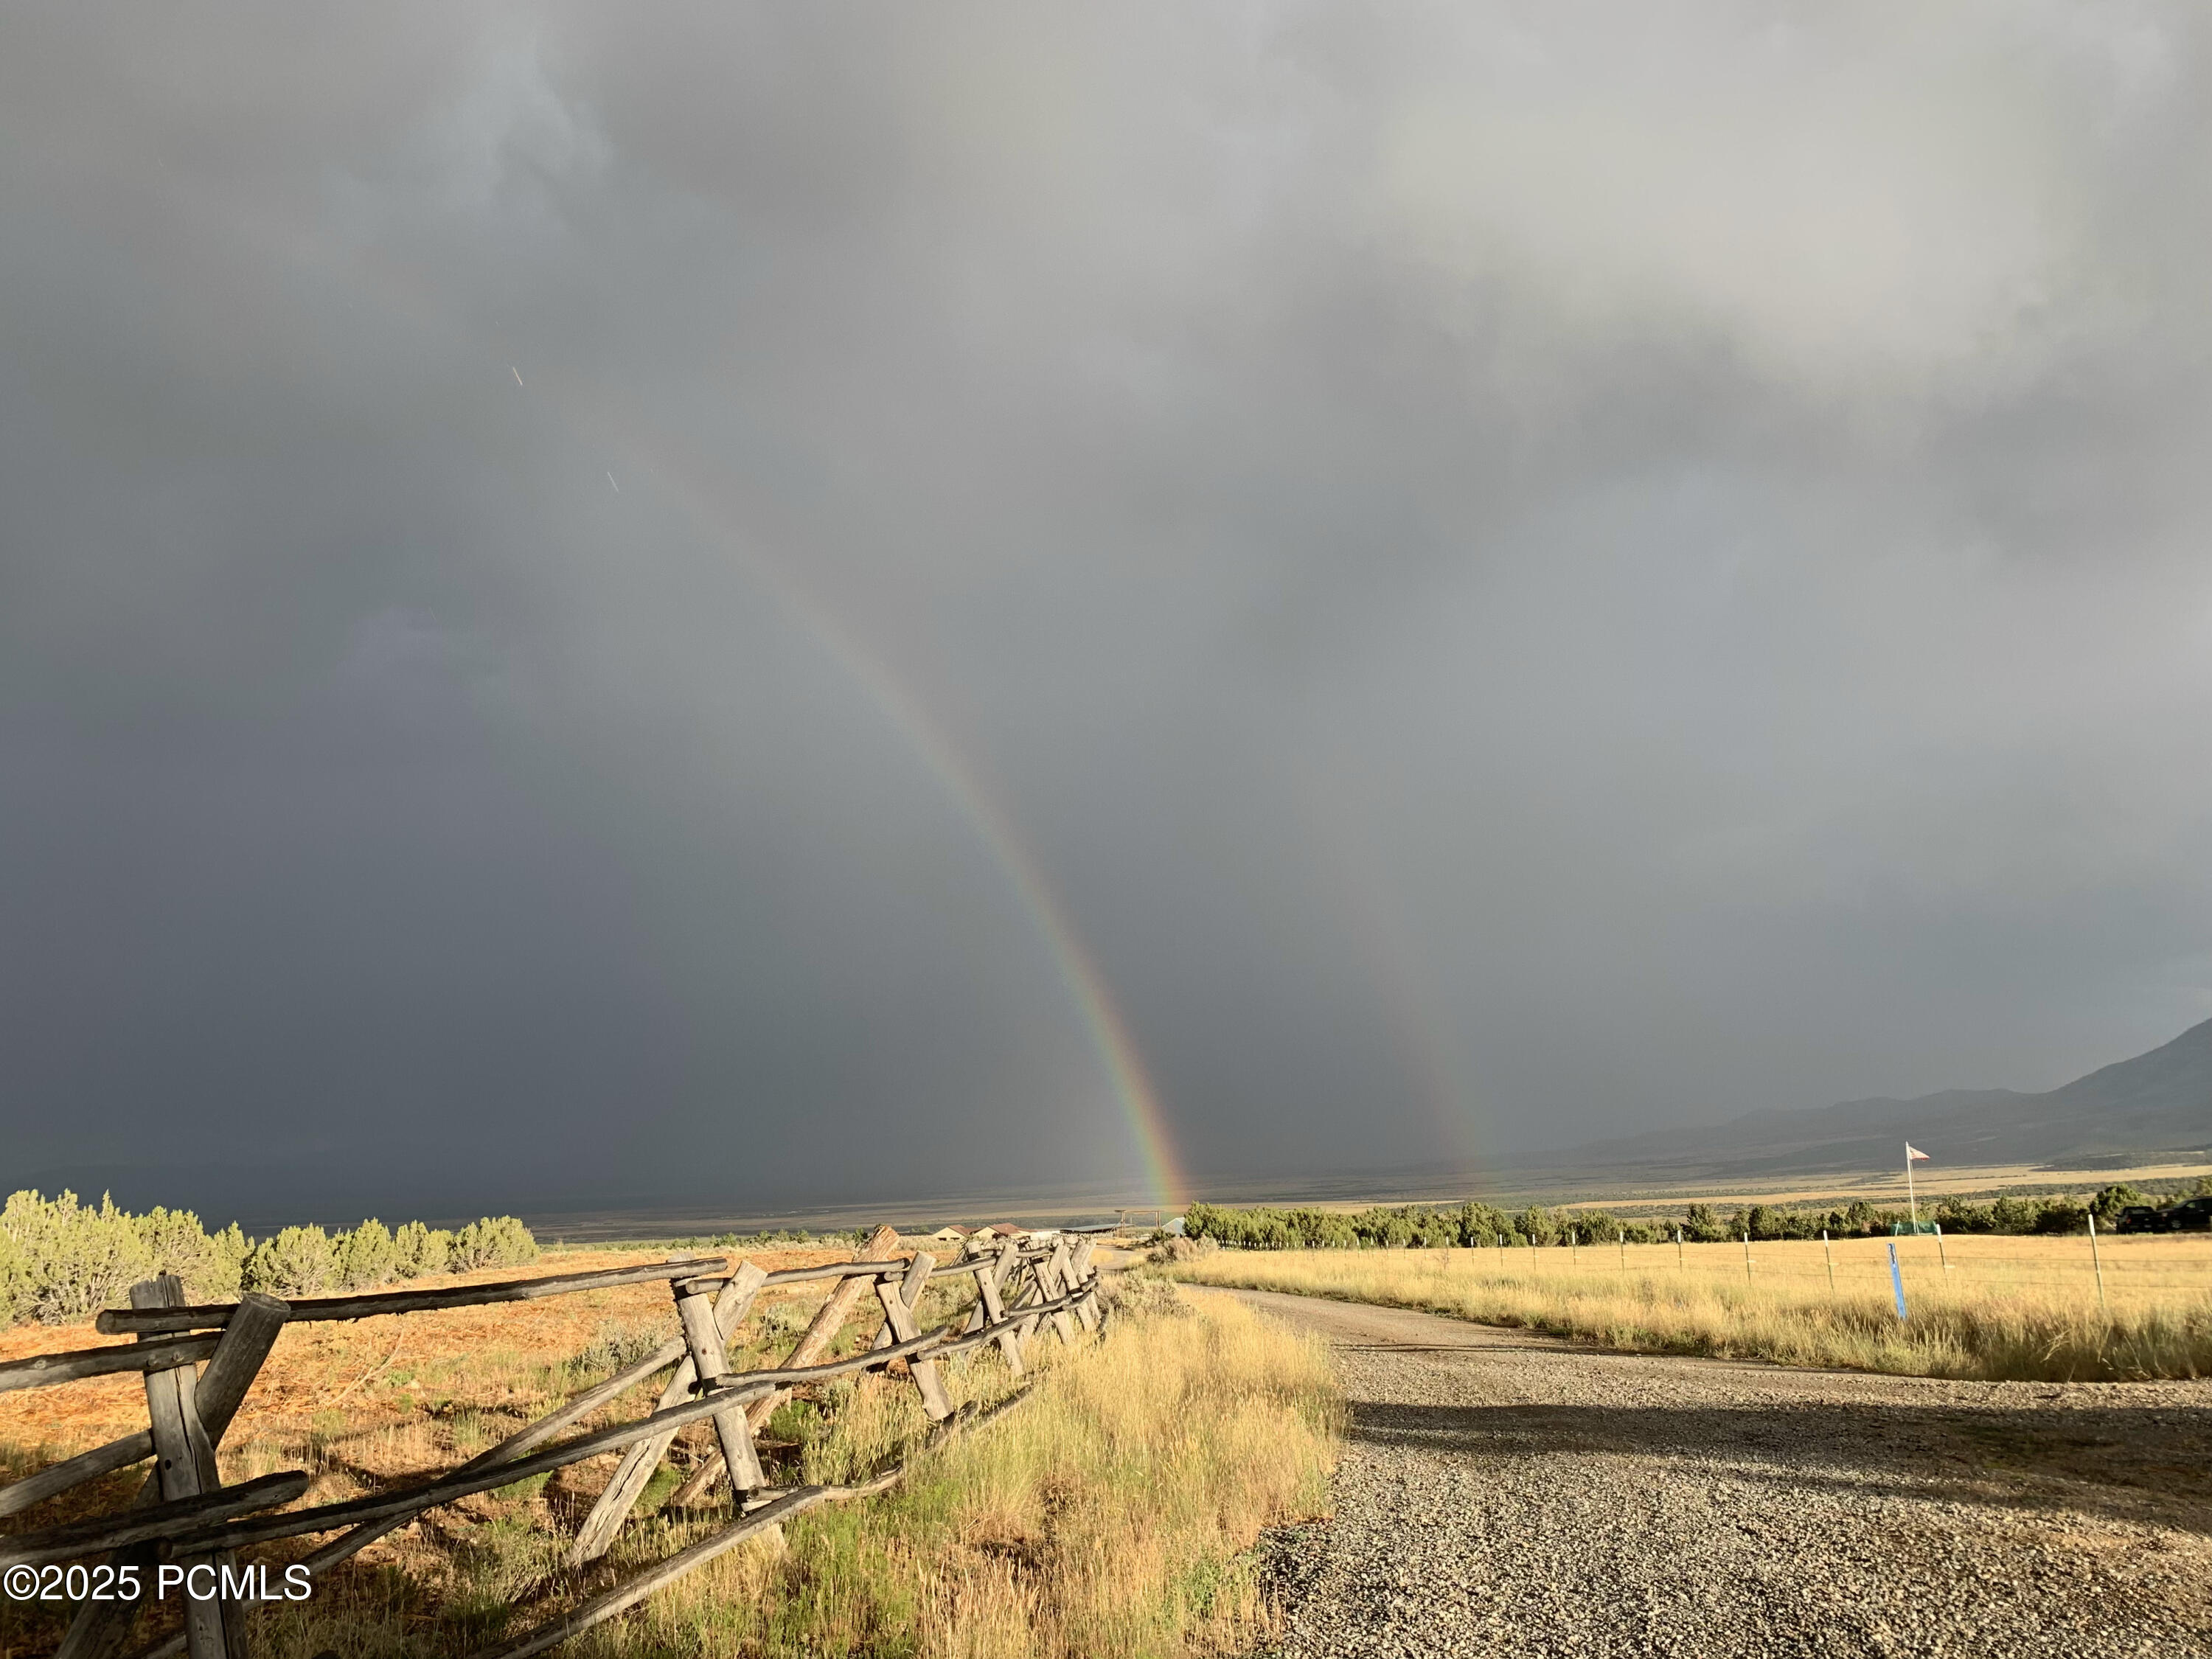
x=1896 y=1280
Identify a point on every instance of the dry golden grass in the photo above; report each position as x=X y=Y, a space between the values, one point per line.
x=391 y=1366
x=2026 y=1308
x=1112 y=1510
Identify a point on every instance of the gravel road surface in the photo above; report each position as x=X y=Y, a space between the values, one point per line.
x=1503 y=1492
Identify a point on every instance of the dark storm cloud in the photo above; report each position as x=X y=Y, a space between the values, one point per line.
x=1521 y=573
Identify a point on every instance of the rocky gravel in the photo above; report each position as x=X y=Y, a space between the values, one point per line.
x=1506 y=1493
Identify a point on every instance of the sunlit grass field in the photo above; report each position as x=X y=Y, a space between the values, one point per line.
x=1978 y=1306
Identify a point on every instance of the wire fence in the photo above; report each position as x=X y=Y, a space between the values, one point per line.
x=2126 y=1272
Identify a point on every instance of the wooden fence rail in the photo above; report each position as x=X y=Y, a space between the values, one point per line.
x=186 y=1517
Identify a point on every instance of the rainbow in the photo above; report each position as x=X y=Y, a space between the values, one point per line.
x=977 y=805
x=400 y=293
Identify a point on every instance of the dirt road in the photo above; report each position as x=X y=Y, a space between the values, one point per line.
x=1507 y=1493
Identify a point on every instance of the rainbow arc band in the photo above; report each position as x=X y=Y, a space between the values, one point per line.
x=614 y=427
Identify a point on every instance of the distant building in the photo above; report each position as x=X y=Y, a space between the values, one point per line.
x=948 y=1235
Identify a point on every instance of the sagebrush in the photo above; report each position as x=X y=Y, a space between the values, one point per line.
x=62 y=1260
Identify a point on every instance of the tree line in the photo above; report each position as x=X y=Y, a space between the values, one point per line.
x=1476 y=1224
x=62 y=1261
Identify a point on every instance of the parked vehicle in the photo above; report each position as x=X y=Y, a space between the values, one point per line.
x=2191 y=1215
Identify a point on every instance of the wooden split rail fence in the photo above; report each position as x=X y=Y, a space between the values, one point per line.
x=185 y=1519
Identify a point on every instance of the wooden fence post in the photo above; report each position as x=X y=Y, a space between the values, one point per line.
x=100 y=1627
x=899 y=1303
x=829 y=1318
x=1078 y=1271
x=635 y=1470
x=991 y=1308
x=1053 y=1278
x=694 y=1310
x=184 y=1464
x=1011 y=1269
x=1041 y=1288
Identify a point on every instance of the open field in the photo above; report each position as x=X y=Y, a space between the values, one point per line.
x=2003 y=1308
x=1639 y=1193
x=1088 y=1518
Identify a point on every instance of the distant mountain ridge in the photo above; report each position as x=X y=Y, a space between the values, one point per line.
x=2157 y=1103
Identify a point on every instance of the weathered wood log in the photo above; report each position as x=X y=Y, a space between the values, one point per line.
x=868 y=1267
x=41 y=1370
x=631 y=1475
x=59 y=1478
x=992 y=1333
x=213 y=1316
x=238 y=1356
x=753 y=1522
x=971 y=1261
x=822 y=1330
x=188 y=1416
x=985 y=1264
x=183 y=1463
x=1079 y=1280
x=34 y=1548
x=201 y=1534
x=100 y=1627
x=239 y=1353
x=1049 y=1271
x=993 y=1306
x=608 y=1604
x=696 y=1484
x=710 y=1360
x=918 y=1273
x=159 y=1521
x=523 y=1440
x=1053 y=1275
x=859 y=1267
x=898 y=1315
x=1024 y=1291
x=766 y=1512
x=192 y=1528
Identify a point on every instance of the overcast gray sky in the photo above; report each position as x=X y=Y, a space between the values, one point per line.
x=702 y=600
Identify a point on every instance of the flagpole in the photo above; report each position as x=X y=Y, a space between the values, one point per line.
x=1909 y=1198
